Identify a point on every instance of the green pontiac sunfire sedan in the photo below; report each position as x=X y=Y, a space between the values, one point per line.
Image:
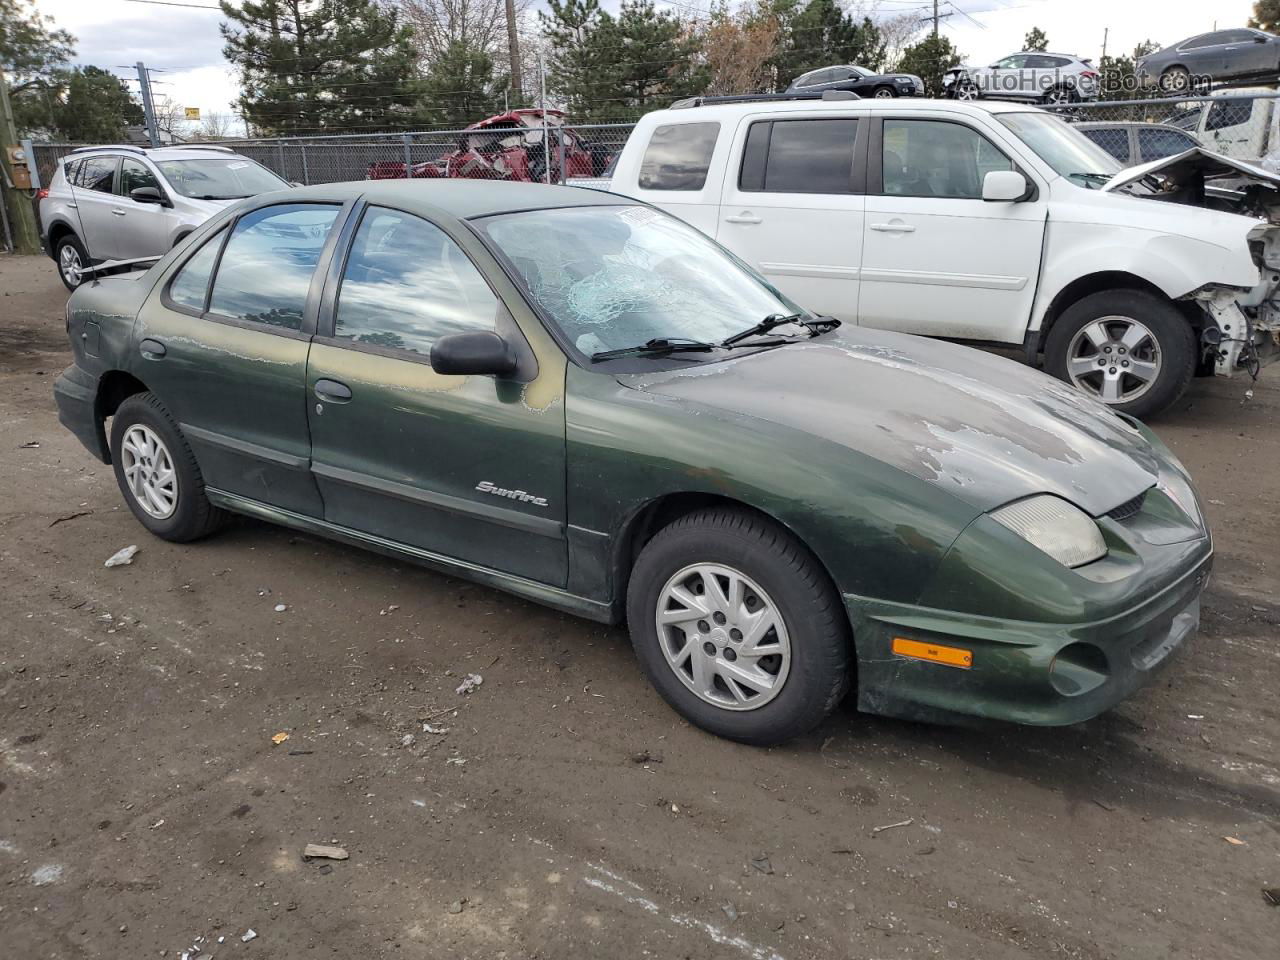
x=581 y=400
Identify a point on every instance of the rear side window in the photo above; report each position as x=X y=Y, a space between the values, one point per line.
x=1156 y=144
x=266 y=268
x=406 y=284
x=678 y=156
x=1114 y=140
x=72 y=172
x=97 y=173
x=799 y=156
x=933 y=158
x=190 y=285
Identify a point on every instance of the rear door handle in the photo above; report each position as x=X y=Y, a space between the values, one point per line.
x=333 y=391
x=893 y=227
x=744 y=218
x=152 y=349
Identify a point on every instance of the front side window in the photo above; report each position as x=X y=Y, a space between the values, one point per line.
x=678 y=156
x=190 y=285
x=799 y=156
x=219 y=178
x=266 y=268
x=134 y=175
x=98 y=173
x=931 y=158
x=613 y=277
x=406 y=284
x=1156 y=144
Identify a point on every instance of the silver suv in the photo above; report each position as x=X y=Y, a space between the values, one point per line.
x=1049 y=78
x=125 y=202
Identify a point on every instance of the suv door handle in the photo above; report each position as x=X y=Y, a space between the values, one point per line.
x=893 y=227
x=744 y=218
x=333 y=391
x=117 y=212
x=151 y=349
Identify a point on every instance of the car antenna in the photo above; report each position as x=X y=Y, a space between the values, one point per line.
x=84 y=235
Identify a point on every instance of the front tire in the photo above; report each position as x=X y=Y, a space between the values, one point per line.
x=1175 y=81
x=158 y=474
x=1133 y=351
x=738 y=626
x=71 y=259
x=884 y=93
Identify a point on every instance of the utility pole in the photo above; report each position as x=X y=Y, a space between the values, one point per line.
x=513 y=50
x=935 y=19
x=21 y=219
x=1105 y=32
x=148 y=105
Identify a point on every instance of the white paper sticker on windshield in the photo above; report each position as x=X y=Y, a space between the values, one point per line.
x=639 y=215
x=237 y=166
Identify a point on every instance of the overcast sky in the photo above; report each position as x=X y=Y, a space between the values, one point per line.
x=186 y=45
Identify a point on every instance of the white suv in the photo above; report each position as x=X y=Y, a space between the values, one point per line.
x=1051 y=78
x=128 y=203
x=987 y=222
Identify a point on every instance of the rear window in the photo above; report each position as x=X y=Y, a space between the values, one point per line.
x=799 y=156
x=678 y=156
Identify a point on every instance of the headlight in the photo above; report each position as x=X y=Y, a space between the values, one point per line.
x=1179 y=491
x=1051 y=524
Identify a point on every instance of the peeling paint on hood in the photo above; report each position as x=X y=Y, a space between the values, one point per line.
x=988 y=429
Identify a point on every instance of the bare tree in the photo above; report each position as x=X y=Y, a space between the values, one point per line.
x=738 y=47
x=171 y=118
x=215 y=126
x=897 y=30
x=477 y=24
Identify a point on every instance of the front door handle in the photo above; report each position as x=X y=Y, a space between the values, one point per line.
x=333 y=391
x=893 y=227
x=117 y=213
x=744 y=218
x=152 y=349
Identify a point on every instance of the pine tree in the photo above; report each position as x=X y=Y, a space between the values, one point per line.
x=929 y=60
x=460 y=87
x=1266 y=16
x=1036 y=41
x=576 y=32
x=93 y=105
x=820 y=34
x=317 y=66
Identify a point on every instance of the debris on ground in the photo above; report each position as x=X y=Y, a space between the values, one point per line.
x=122 y=557
x=646 y=756
x=29 y=445
x=762 y=864
x=408 y=740
x=249 y=934
x=280 y=737
x=472 y=681
x=730 y=911
x=391 y=609
x=71 y=516
x=281 y=608
x=890 y=826
x=1271 y=895
x=438 y=731
x=1234 y=841
x=314 y=850
x=456 y=906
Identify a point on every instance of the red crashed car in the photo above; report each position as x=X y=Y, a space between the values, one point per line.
x=509 y=147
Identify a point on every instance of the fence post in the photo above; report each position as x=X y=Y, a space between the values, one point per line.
x=306 y=173
x=280 y=150
x=407 y=156
x=564 y=174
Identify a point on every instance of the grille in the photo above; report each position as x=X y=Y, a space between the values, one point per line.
x=1128 y=509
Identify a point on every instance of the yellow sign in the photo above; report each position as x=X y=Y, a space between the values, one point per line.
x=193 y=113
x=934 y=652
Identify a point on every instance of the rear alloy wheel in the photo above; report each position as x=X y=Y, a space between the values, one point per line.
x=1058 y=97
x=967 y=91
x=1175 y=80
x=738 y=627
x=885 y=93
x=71 y=261
x=1131 y=350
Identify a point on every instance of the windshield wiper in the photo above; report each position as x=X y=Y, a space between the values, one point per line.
x=656 y=345
x=210 y=196
x=764 y=326
x=819 y=325
x=1102 y=178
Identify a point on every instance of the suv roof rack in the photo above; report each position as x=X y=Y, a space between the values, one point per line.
x=135 y=148
x=127 y=147
x=752 y=97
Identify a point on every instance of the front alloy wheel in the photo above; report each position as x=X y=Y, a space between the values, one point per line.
x=1116 y=359
x=885 y=93
x=723 y=637
x=967 y=91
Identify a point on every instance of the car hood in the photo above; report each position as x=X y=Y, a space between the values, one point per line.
x=987 y=429
x=1198 y=177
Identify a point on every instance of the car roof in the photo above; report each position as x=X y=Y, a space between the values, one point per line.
x=463 y=199
x=1116 y=124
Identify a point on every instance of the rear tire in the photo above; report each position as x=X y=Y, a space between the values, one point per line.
x=70 y=255
x=1133 y=351
x=1175 y=81
x=146 y=443
x=700 y=557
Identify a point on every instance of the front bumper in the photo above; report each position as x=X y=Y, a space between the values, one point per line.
x=76 y=393
x=1024 y=672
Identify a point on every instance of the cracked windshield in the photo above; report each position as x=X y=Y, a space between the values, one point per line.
x=613 y=277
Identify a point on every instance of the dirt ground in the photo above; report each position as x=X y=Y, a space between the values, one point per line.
x=145 y=811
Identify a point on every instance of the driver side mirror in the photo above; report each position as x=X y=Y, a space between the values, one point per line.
x=1004 y=186
x=147 y=195
x=478 y=354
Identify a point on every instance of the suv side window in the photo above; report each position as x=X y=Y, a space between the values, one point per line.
x=133 y=175
x=98 y=173
x=406 y=284
x=265 y=271
x=799 y=156
x=190 y=285
x=935 y=158
x=678 y=156
x=1016 y=62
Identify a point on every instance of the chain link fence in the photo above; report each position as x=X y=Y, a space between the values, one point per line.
x=565 y=154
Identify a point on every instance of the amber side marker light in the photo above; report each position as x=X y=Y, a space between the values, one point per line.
x=933 y=652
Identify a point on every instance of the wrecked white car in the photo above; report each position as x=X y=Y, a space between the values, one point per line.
x=983 y=222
